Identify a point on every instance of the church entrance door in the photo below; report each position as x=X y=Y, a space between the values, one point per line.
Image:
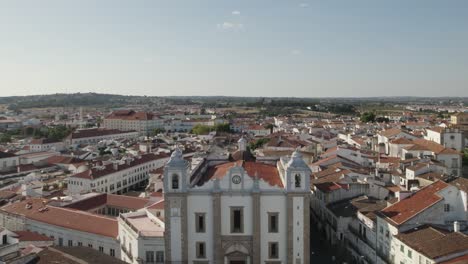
x=237 y=262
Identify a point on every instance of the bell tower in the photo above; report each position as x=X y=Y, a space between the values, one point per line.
x=176 y=181
x=298 y=209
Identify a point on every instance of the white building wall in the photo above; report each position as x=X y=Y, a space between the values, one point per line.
x=75 y=236
x=298 y=229
x=176 y=242
x=6 y=163
x=276 y=203
x=236 y=200
x=200 y=204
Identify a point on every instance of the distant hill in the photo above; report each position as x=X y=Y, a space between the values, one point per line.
x=113 y=100
x=74 y=100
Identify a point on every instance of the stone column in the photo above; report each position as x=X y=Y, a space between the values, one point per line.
x=217 y=247
x=256 y=228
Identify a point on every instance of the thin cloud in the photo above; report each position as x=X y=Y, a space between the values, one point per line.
x=225 y=26
x=296 y=52
x=236 y=12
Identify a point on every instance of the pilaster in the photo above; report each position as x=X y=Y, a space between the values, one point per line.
x=217 y=248
x=256 y=250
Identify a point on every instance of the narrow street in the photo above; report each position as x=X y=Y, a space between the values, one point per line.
x=319 y=251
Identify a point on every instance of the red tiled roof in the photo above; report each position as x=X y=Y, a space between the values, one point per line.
x=41 y=141
x=390 y=132
x=330 y=186
x=459 y=260
x=158 y=205
x=31 y=236
x=131 y=115
x=62 y=160
x=406 y=209
x=96 y=132
x=434 y=243
x=437 y=129
x=434 y=147
x=266 y=172
x=401 y=141
x=63 y=217
x=112 y=200
x=128 y=202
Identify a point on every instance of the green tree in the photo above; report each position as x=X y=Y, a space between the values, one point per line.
x=5 y=138
x=368 y=117
x=201 y=129
x=58 y=132
x=223 y=128
x=382 y=119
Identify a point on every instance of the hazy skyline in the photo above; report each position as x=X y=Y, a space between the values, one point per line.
x=235 y=48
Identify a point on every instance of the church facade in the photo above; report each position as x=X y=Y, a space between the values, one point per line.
x=237 y=212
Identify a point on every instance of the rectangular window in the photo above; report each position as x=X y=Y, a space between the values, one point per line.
x=273 y=222
x=237 y=220
x=112 y=252
x=201 y=250
x=90 y=245
x=80 y=244
x=101 y=249
x=273 y=250
x=70 y=243
x=410 y=253
x=200 y=222
x=446 y=207
x=150 y=256
x=402 y=248
x=159 y=256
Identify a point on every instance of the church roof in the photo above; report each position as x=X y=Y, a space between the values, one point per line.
x=266 y=172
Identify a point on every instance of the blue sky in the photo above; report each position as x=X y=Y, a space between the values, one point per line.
x=239 y=48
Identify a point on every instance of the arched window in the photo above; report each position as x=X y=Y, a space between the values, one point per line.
x=297 y=181
x=175 y=181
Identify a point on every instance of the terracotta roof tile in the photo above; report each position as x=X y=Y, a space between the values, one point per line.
x=31 y=236
x=63 y=217
x=406 y=209
x=434 y=243
x=96 y=132
x=266 y=172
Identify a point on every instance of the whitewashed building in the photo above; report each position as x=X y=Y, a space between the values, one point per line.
x=8 y=160
x=95 y=135
x=141 y=235
x=240 y=211
x=116 y=177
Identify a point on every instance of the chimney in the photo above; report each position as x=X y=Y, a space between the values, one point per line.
x=128 y=161
x=456 y=226
x=115 y=165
